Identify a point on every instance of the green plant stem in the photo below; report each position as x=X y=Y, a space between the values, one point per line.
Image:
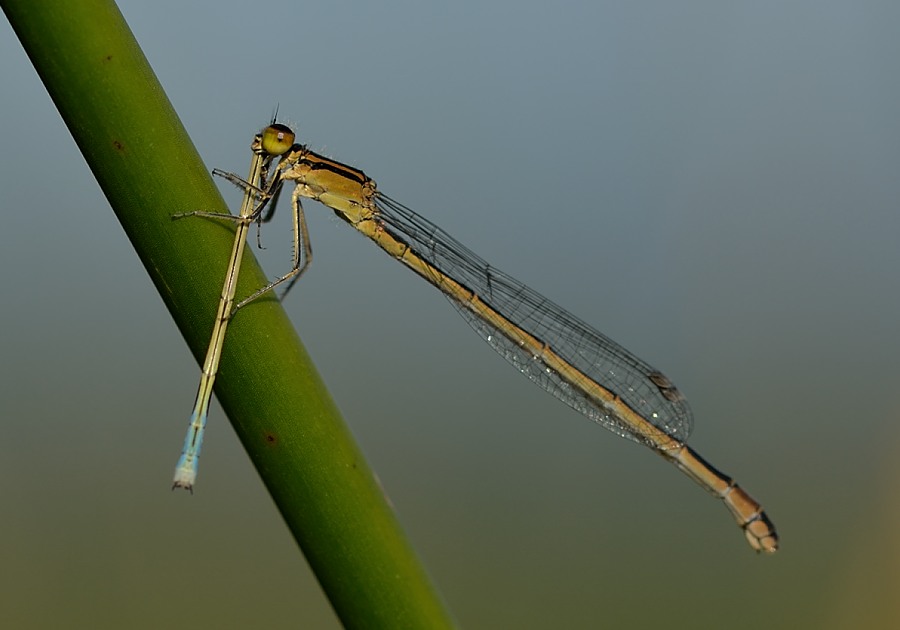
x=149 y=170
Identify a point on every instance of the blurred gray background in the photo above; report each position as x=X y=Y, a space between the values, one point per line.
x=713 y=187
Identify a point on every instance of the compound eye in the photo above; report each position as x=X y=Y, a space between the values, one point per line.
x=277 y=139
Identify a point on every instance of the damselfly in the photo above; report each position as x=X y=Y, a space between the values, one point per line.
x=567 y=357
x=266 y=145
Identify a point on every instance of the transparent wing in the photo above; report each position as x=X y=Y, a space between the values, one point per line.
x=640 y=386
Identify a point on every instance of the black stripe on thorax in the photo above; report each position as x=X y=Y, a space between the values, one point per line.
x=318 y=162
